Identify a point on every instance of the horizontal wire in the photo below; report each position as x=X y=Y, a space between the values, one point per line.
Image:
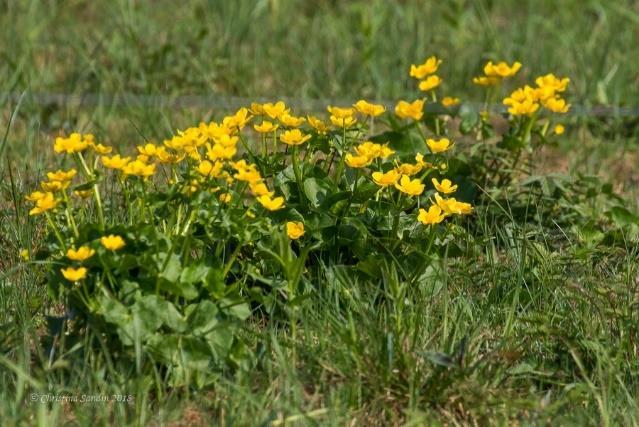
x=130 y=100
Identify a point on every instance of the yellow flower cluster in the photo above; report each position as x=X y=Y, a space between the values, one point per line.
x=495 y=73
x=527 y=100
x=426 y=74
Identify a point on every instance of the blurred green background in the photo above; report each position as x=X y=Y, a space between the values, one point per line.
x=325 y=49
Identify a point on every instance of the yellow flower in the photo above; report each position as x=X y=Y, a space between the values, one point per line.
x=341 y=112
x=138 y=168
x=208 y=169
x=343 y=122
x=165 y=157
x=410 y=110
x=445 y=187
x=386 y=179
x=44 y=203
x=24 y=254
x=112 y=242
x=265 y=127
x=148 y=150
x=225 y=197
x=369 y=109
x=249 y=174
x=115 y=162
x=220 y=151
x=556 y=105
x=550 y=81
x=486 y=81
x=432 y=216
x=35 y=196
x=291 y=121
x=501 y=69
x=430 y=83
x=236 y=121
x=74 y=274
x=409 y=169
x=101 y=149
x=452 y=206
x=73 y=144
x=440 y=146
x=294 y=229
x=81 y=254
x=450 y=101
x=272 y=204
x=373 y=150
x=559 y=129
x=274 y=110
x=61 y=175
x=428 y=67
x=54 y=185
x=357 y=161
x=317 y=124
x=411 y=187
x=522 y=101
x=256 y=108
x=260 y=189
x=294 y=137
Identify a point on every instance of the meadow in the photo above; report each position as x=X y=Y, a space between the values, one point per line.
x=256 y=263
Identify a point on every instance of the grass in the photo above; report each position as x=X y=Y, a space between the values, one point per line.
x=535 y=324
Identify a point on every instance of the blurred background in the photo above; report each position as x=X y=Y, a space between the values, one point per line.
x=140 y=69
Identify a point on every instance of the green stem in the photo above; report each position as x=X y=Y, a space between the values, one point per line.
x=298 y=174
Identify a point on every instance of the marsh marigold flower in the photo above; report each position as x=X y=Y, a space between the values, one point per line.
x=341 y=112
x=430 y=83
x=294 y=137
x=101 y=149
x=294 y=230
x=343 y=122
x=44 y=203
x=501 y=69
x=274 y=110
x=209 y=169
x=357 y=161
x=75 y=143
x=411 y=187
x=291 y=121
x=409 y=169
x=434 y=215
x=428 y=67
x=61 y=175
x=556 y=105
x=559 y=129
x=115 y=162
x=272 y=204
x=369 y=109
x=452 y=206
x=317 y=124
x=386 y=179
x=444 y=187
x=265 y=127
x=74 y=274
x=440 y=146
x=410 y=110
x=139 y=168
x=112 y=242
x=553 y=82
x=80 y=254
